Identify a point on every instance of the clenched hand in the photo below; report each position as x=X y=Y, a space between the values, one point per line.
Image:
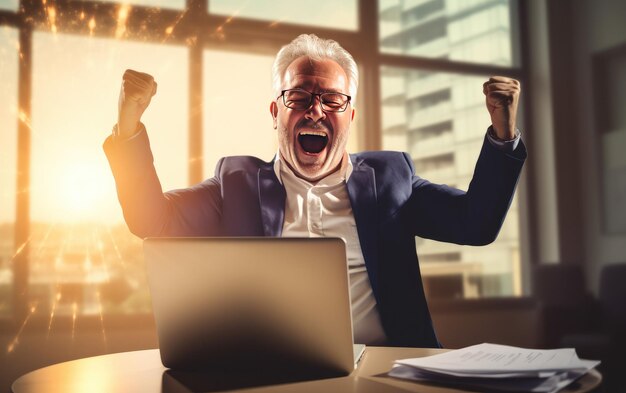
x=135 y=95
x=502 y=97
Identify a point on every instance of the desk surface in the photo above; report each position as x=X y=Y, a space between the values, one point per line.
x=142 y=371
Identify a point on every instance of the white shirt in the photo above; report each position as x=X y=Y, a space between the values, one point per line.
x=324 y=210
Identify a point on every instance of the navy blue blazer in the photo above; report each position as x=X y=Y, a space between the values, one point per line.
x=391 y=206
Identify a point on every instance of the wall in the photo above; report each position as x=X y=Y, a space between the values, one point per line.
x=509 y=321
x=566 y=207
x=598 y=26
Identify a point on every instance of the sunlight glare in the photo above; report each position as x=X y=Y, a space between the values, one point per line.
x=80 y=193
x=92 y=25
x=74 y=312
x=122 y=19
x=52 y=17
x=16 y=339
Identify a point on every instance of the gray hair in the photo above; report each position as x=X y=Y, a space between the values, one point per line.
x=315 y=48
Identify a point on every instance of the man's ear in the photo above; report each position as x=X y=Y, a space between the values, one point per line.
x=274 y=113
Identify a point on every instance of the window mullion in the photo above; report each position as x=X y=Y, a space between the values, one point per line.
x=22 y=216
x=371 y=135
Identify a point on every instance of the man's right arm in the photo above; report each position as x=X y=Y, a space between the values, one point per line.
x=194 y=211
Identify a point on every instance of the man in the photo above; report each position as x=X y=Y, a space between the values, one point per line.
x=312 y=187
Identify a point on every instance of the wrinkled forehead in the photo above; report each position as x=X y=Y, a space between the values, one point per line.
x=314 y=75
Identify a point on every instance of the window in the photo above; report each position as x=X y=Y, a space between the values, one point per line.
x=10 y=5
x=8 y=162
x=83 y=259
x=476 y=31
x=227 y=96
x=320 y=13
x=173 y=4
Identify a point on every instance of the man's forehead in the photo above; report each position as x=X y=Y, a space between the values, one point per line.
x=325 y=73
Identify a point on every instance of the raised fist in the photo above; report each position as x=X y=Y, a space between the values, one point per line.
x=135 y=95
x=502 y=97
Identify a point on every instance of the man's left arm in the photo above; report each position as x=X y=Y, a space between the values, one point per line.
x=475 y=217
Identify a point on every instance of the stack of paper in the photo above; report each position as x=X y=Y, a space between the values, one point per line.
x=498 y=367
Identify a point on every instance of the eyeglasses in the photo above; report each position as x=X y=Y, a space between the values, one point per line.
x=301 y=100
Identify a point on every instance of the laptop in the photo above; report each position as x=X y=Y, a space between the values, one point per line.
x=256 y=304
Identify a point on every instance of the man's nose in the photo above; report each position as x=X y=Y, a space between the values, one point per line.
x=315 y=111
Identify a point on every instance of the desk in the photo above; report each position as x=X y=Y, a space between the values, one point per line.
x=142 y=371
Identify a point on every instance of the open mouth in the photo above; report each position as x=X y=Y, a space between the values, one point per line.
x=312 y=142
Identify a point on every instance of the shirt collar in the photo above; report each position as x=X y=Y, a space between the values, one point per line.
x=343 y=174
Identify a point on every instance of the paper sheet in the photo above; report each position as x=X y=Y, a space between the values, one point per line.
x=494 y=358
x=498 y=367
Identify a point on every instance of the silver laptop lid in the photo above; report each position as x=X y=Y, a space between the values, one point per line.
x=276 y=303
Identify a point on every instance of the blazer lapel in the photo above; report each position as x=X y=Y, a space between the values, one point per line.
x=362 y=191
x=272 y=201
